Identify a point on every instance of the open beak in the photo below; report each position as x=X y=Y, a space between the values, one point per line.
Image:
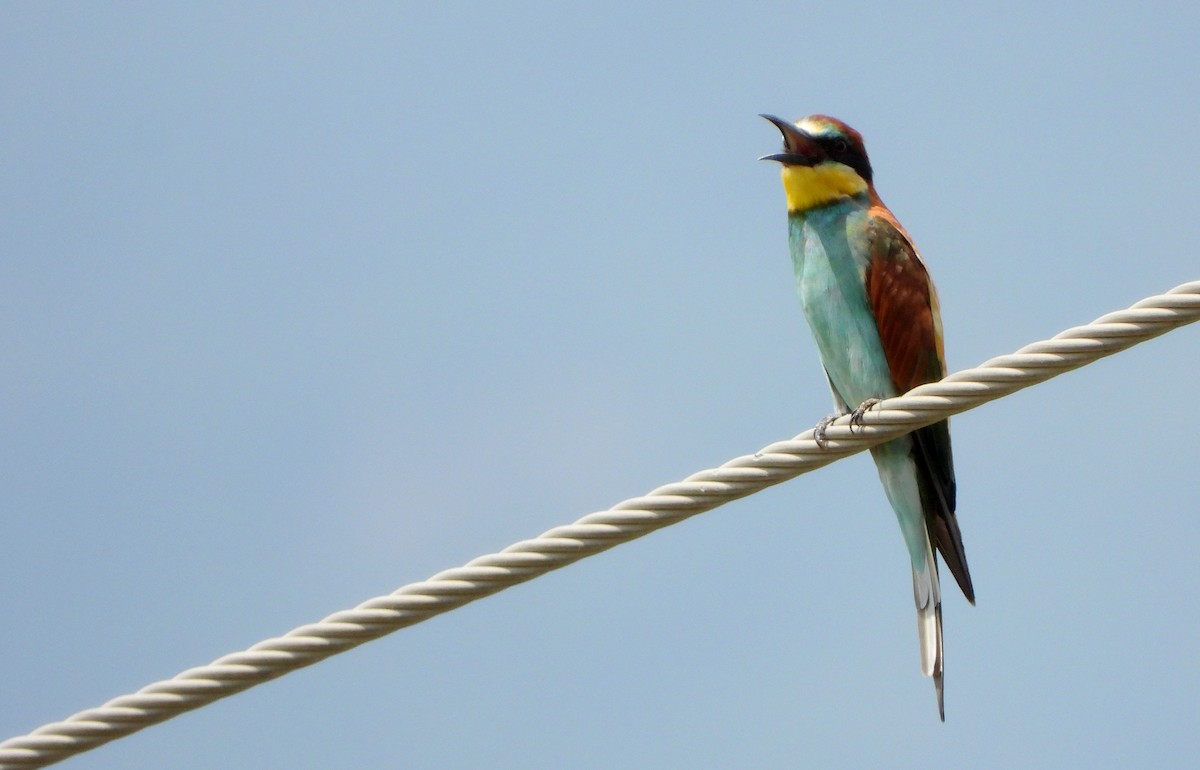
x=799 y=149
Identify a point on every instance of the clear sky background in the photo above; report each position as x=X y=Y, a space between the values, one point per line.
x=303 y=302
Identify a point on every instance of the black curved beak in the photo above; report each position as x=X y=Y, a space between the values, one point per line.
x=799 y=149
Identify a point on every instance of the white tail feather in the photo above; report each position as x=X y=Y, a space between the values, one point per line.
x=927 y=595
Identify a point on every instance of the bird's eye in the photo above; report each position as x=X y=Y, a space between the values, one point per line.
x=840 y=146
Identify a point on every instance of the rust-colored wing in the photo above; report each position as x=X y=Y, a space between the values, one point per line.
x=905 y=306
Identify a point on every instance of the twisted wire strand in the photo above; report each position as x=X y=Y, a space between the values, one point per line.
x=596 y=532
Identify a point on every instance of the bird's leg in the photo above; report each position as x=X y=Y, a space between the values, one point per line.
x=820 y=428
x=856 y=417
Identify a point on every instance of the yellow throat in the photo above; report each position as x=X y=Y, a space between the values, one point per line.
x=810 y=186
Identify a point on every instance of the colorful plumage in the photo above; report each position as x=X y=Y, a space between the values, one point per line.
x=874 y=314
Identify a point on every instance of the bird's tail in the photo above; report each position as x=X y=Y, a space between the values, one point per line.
x=927 y=594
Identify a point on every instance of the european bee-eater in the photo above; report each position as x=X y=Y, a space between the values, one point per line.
x=874 y=313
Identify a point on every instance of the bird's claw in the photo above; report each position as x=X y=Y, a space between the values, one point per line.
x=856 y=417
x=820 y=428
x=856 y=421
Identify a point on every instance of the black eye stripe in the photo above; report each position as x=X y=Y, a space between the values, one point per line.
x=841 y=149
x=834 y=145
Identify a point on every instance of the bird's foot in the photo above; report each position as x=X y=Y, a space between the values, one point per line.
x=820 y=428
x=856 y=417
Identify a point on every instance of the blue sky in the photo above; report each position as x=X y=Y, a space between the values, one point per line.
x=300 y=303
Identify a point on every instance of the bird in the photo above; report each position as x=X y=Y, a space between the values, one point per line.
x=873 y=310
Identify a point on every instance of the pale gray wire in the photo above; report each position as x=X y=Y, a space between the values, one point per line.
x=597 y=532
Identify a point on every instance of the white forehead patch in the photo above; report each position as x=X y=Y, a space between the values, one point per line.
x=813 y=127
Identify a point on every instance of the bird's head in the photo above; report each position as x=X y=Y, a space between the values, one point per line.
x=823 y=159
